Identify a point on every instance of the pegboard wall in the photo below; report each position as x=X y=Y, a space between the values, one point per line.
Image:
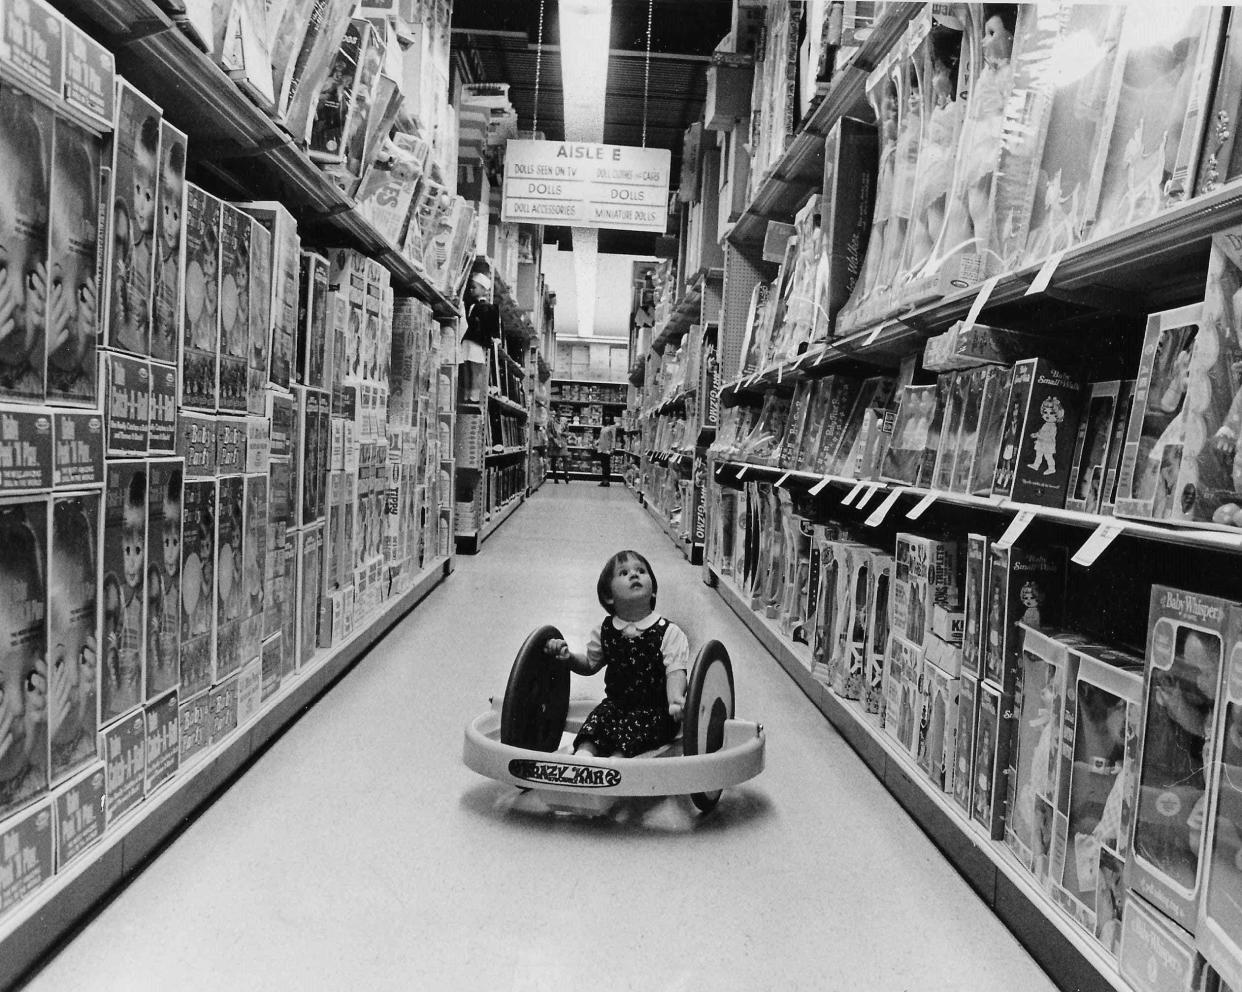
x=740 y=277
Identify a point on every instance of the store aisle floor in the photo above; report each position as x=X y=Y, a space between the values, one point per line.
x=360 y=853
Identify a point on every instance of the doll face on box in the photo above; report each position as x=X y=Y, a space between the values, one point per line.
x=21 y=647
x=132 y=554
x=997 y=40
x=171 y=186
x=144 y=179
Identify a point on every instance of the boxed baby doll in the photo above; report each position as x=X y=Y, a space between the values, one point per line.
x=231 y=436
x=249 y=690
x=233 y=366
x=1098 y=776
x=25 y=448
x=254 y=589
x=162 y=409
x=283 y=284
x=903 y=669
x=197 y=599
x=938 y=753
x=874 y=393
x=879 y=576
x=201 y=296
x=79 y=815
x=310 y=550
x=26 y=855
x=125 y=761
x=163 y=747
x=1189 y=636
x=795 y=424
x=1044 y=671
x=956 y=388
x=854 y=587
x=230 y=558
x=832 y=567
x=1219 y=934
x=222 y=708
x=1151 y=459
x=906 y=458
x=270 y=674
x=1024 y=585
x=993 y=727
x=978 y=559
x=964 y=743
x=838 y=405
x=32 y=47
x=124 y=589
x=131 y=248
x=163 y=623
x=925 y=572
x=73 y=632
x=1087 y=478
x=977 y=476
x=845 y=211
x=1156 y=955
x=127 y=403
x=194 y=730
x=1041 y=426
x=78 y=449
x=1117 y=445
x=260 y=318
x=196 y=444
x=74 y=247
x=313 y=320
x=170 y=193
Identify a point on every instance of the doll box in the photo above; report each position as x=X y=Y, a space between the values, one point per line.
x=162 y=406
x=993 y=733
x=32 y=46
x=196 y=444
x=124 y=590
x=249 y=690
x=1041 y=426
x=232 y=368
x=282 y=415
x=270 y=673
x=976 y=476
x=194 y=730
x=962 y=786
x=25 y=449
x=880 y=576
x=1152 y=455
x=230 y=556
x=938 y=725
x=313 y=323
x=978 y=559
x=1189 y=636
x=1088 y=475
x=925 y=573
x=1219 y=931
x=309 y=560
x=1027 y=586
x=127 y=404
x=1156 y=955
x=79 y=810
x=902 y=707
x=1096 y=783
x=163 y=621
x=1117 y=445
x=167 y=304
x=260 y=324
x=125 y=754
x=26 y=854
x=78 y=459
x=90 y=78
x=1045 y=669
x=848 y=201
x=258 y=445
x=904 y=461
x=231 y=433
x=198 y=558
x=163 y=745
x=849 y=639
x=254 y=587
x=222 y=709
x=283 y=284
x=201 y=300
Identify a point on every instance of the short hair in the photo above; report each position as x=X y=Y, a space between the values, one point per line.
x=176 y=158
x=603 y=588
x=149 y=134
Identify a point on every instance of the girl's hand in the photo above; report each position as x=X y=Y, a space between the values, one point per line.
x=8 y=306
x=62 y=692
x=557 y=648
x=676 y=707
x=36 y=702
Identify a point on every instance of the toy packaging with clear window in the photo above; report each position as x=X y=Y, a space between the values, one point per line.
x=163 y=745
x=1117 y=445
x=270 y=667
x=926 y=572
x=232 y=369
x=903 y=462
x=1085 y=490
x=166 y=309
x=253 y=573
x=1189 y=636
x=230 y=557
x=1098 y=777
x=260 y=318
x=163 y=624
x=310 y=567
x=249 y=690
x=880 y=577
x=1024 y=585
x=312 y=320
x=964 y=753
x=197 y=599
x=1152 y=457
x=992 y=406
x=939 y=750
x=992 y=740
x=902 y=672
x=286 y=247
x=978 y=559
x=131 y=248
x=201 y=295
x=124 y=590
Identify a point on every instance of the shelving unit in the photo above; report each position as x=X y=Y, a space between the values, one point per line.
x=566 y=402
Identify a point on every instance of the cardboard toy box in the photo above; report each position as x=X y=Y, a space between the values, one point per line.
x=312 y=320
x=850 y=155
x=26 y=855
x=902 y=673
x=964 y=752
x=1156 y=955
x=197 y=599
x=925 y=573
x=26 y=460
x=938 y=753
x=79 y=813
x=162 y=409
x=254 y=577
x=257 y=359
x=73 y=253
x=1117 y=445
x=270 y=668
x=906 y=460
x=131 y=245
x=78 y=453
x=1189 y=636
x=200 y=355
x=286 y=247
x=1152 y=456
x=194 y=727
x=1098 y=777
x=163 y=623
x=163 y=743
x=1041 y=427
x=1024 y=585
x=125 y=759
x=1085 y=491
x=993 y=403
x=880 y=578
x=249 y=690
x=310 y=570
x=73 y=630
x=170 y=218
x=978 y=560
x=196 y=445
x=124 y=591
x=993 y=728
x=222 y=704
x=229 y=564
x=127 y=404
x=1219 y=932
x=232 y=369
x=849 y=638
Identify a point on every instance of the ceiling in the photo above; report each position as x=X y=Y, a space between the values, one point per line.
x=497 y=41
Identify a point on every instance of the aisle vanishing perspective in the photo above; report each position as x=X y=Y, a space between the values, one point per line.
x=359 y=852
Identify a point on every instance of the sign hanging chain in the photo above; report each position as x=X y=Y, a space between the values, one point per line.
x=647 y=69
x=538 y=70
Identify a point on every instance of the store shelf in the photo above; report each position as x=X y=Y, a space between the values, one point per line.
x=1204 y=537
x=239 y=145
x=52 y=913
x=469 y=542
x=675 y=402
x=507 y=404
x=620 y=403
x=800 y=169
x=505 y=453
x=1054 y=940
x=686 y=312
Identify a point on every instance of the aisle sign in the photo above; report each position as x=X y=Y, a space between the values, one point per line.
x=580 y=184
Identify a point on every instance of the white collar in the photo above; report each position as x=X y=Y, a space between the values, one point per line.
x=645 y=623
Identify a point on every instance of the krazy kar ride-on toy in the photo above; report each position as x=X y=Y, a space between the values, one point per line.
x=526 y=740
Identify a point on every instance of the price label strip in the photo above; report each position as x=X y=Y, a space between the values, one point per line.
x=921 y=506
x=1014 y=531
x=981 y=300
x=866 y=497
x=871 y=338
x=742 y=471
x=853 y=494
x=1043 y=278
x=881 y=511
x=781 y=480
x=1095 y=545
x=818 y=488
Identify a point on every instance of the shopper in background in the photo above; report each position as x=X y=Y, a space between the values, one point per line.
x=558 y=451
x=603 y=451
x=646 y=658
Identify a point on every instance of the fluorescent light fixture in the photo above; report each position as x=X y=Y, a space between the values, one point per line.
x=585 y=27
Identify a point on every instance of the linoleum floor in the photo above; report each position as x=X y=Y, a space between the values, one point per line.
x=359 y=852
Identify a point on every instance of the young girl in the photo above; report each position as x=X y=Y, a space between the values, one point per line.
x=646 y=658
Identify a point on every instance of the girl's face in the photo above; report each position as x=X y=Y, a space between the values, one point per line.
x=172 y=546
x=132 y=555
x=631 y=585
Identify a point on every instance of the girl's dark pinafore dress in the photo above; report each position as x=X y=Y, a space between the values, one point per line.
x=633 y=716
